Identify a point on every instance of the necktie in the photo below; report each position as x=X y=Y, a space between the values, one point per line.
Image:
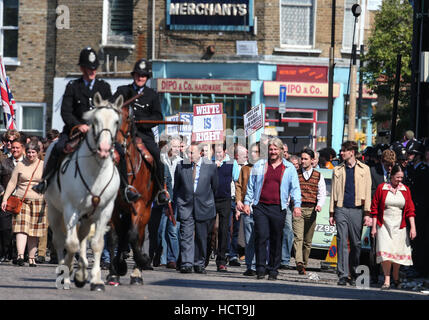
x=194 y=172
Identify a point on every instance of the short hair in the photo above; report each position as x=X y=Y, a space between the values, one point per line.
x=350 y=146
x=278 y=143
x=52 y=134
x=388 y=156
x=309 y=152
x=32 y=145
x=409 y=134
x=396 y=168
x=222 y=144
x=294 y=157
x=198 y=144
x=12 y=133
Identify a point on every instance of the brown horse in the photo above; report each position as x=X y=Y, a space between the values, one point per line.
x=130 y=219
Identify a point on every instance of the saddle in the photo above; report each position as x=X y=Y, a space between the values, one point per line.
x=75 y=138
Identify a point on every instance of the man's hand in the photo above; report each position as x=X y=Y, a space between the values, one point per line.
x=83 y=128
x=332 y=221
x=297 y=212
x=318 y=208
x=246 y=209
x=239 y=206
x=367 y=221
x=237 y=215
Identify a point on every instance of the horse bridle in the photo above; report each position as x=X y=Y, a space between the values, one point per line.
x=97 y=136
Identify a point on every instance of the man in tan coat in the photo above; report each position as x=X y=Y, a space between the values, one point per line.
x=349 y=207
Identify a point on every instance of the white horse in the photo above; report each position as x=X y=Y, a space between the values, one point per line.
x=83 y=193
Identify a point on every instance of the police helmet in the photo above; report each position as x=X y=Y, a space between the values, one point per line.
x=380 y=148
x=415 y=147
x=369 y=152
x=401 y=153
x=143 y=68
x=88 y=58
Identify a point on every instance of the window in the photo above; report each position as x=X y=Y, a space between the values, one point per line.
x=349 y=22
x=9 y=29
x=118 y=22
x=30 y=118
x=297 y=23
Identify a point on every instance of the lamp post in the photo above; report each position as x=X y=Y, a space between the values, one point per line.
x=331 y=76
x=356 y=10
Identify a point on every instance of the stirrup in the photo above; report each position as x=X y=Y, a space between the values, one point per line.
x=136 y=194
x=166 y=197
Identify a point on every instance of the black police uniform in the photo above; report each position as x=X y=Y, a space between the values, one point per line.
x=146 y=107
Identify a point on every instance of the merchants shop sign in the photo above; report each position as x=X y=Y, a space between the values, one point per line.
x=204 y=86
x=227 y=15
x=300 y=89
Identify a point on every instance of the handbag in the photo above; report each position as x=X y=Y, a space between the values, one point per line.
x=14 y=203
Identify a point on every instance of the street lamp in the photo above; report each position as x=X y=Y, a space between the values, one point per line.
x=351 y=86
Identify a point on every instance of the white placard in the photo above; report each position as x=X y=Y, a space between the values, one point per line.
x=172 y=129
x=247 y=48
x=253 y=120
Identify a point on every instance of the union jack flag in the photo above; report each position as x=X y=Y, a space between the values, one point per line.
x=7 y=101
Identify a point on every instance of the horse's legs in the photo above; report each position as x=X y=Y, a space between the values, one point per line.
x=81 y=275
x=97 y=245
x=136 y=237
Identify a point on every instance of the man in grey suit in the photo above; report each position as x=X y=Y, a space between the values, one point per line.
x=195 y=185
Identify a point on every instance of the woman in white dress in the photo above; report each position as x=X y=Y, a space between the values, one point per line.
x=391 y=206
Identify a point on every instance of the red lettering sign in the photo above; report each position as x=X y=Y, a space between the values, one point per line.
x=302 y=73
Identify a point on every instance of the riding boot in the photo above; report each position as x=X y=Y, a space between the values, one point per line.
x=129 y=194
x=162 y=197
x=48 y=172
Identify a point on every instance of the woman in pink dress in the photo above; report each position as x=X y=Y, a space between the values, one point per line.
x=390 y=207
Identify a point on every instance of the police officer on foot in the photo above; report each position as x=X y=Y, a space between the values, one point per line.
x=145 y=107
x=77 y=100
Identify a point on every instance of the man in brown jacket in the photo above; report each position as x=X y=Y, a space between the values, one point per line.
x=350 y=205
x=240 y=193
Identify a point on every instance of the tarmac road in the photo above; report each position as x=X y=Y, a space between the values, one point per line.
x=18 y=283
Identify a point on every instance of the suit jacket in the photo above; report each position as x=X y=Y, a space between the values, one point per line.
x=147 y=107
x=6 y=168
x=201 y=203
x=377 y=177
x=77 y=100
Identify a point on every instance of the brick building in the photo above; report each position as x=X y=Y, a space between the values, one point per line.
x=259 y=42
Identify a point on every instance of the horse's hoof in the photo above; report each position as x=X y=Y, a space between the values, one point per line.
x=79 y=284
x=136 y=280
x=97 y=287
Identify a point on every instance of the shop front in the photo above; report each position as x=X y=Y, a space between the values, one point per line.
x=305 y=122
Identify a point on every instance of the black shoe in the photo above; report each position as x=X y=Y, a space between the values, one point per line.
x=234 y=263
x=53 y=260
x=285 y=267
x=199 y=269
x=186 y=270
x=272 y=277
x=249 y=273
x=40 y=187
x=260 y=275
x=342 y=281
x=162 y=198
x=40 y=260
x=20 y=261
x=352 y=281
x=131 y=196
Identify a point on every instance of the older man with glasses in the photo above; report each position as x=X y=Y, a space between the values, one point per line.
x=10 y=136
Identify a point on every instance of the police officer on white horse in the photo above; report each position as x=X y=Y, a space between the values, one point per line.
x=145 y=107
x=77 y=100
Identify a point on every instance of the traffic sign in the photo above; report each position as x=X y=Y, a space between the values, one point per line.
x=282 y=98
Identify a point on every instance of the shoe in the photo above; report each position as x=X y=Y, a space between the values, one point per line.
x=53 y=260
x=104 y=265
x=260 y=275
x=186 y=270
x=301 y=269
x=272 y=276
x=32 y=262
x=40 y=260
x=40 y=187
x=234 y=263
x=20 y=260
x=131 y=196
x=285 y=267
x=249 y=273
x=397 y=284
x=222 y=268
x=199 y=269
x=342 y=281
x=171 y=265
x=385 y=286
x=352 y=281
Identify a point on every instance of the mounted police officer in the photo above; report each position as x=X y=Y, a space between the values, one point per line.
x=418 y=177
x=145 y=107
x=77 y=100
